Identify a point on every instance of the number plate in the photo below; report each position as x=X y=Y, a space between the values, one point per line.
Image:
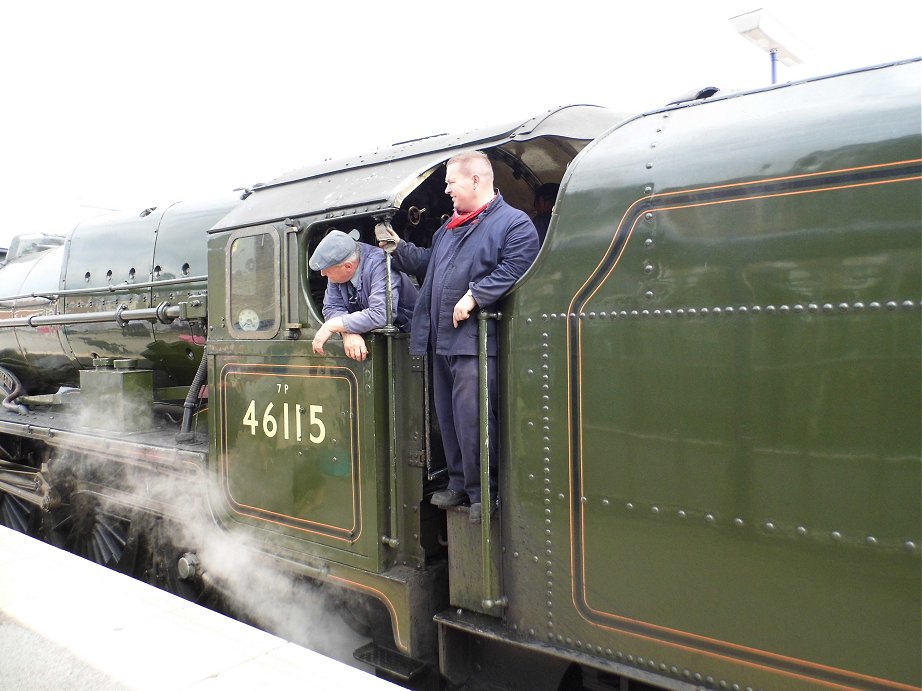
x=289 y=449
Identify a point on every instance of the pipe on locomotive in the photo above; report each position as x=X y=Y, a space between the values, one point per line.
x=165 y=313
x=16 y=390
x=198 y=381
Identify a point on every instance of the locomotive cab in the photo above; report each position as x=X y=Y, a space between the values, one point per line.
x=338 y=458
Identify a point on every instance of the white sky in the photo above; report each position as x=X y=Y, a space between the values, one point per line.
x=123 y=104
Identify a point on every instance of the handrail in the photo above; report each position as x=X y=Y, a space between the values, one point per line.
x=490 y=597
x=164 y=313
x=105 y=290
x=392 y=540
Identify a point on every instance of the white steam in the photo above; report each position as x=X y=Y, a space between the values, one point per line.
x=256 y=588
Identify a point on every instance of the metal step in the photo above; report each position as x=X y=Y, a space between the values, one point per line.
x=389 y=661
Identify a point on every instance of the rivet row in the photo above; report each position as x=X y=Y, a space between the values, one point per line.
x=546 y=461
x=768 y=527
x=809 y=308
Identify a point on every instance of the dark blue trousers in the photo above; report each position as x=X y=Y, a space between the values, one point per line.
x=456 y=389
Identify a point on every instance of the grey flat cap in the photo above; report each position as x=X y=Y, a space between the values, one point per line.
x=335 y=248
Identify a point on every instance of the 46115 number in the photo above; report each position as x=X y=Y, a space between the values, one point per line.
x=270 y=423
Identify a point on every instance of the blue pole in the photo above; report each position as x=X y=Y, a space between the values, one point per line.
x=774 y=54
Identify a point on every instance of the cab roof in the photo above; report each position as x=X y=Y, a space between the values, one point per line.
x=379 y=180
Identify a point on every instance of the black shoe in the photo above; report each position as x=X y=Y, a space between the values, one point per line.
x=447 y=498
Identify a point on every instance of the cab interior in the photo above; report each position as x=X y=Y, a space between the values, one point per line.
x=519 y=168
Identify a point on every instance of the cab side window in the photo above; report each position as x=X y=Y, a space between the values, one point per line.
x=253 y=284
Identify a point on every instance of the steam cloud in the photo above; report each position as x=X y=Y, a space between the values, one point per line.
x=257 y=591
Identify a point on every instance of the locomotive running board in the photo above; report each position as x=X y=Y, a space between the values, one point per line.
x=168 y=456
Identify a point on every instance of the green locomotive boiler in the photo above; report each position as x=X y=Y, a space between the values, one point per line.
x=710 y=414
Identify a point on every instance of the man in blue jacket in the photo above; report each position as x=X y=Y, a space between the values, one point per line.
x=475 y=258
x=356 y=298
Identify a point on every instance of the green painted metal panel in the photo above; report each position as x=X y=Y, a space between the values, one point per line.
x=290 y=451
x=468 y=587
x=714 y=387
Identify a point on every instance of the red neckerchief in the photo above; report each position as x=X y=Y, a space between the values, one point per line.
x=460 y=220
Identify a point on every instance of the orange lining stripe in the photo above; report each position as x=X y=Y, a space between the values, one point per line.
x=355 y=585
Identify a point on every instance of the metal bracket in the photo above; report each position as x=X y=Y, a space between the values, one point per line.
x=418 y=459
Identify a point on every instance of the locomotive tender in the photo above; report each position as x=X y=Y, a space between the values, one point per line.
x=710 y=399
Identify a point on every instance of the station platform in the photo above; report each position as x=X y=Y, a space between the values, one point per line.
x=67 y=623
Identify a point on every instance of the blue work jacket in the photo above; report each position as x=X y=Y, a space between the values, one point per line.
x=367 y=310
x=496 y=248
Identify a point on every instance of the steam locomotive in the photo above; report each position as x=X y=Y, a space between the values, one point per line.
x=709 y=400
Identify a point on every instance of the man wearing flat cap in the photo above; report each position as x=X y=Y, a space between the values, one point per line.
x=356 y=298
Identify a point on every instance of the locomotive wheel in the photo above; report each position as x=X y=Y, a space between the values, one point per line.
x=19 y=515
x=158 y=565
x=85 y=526
x=137 y=545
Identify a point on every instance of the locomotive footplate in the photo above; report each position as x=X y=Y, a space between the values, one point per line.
x=68 y=432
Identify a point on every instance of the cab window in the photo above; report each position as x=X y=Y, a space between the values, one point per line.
x=253 y=284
